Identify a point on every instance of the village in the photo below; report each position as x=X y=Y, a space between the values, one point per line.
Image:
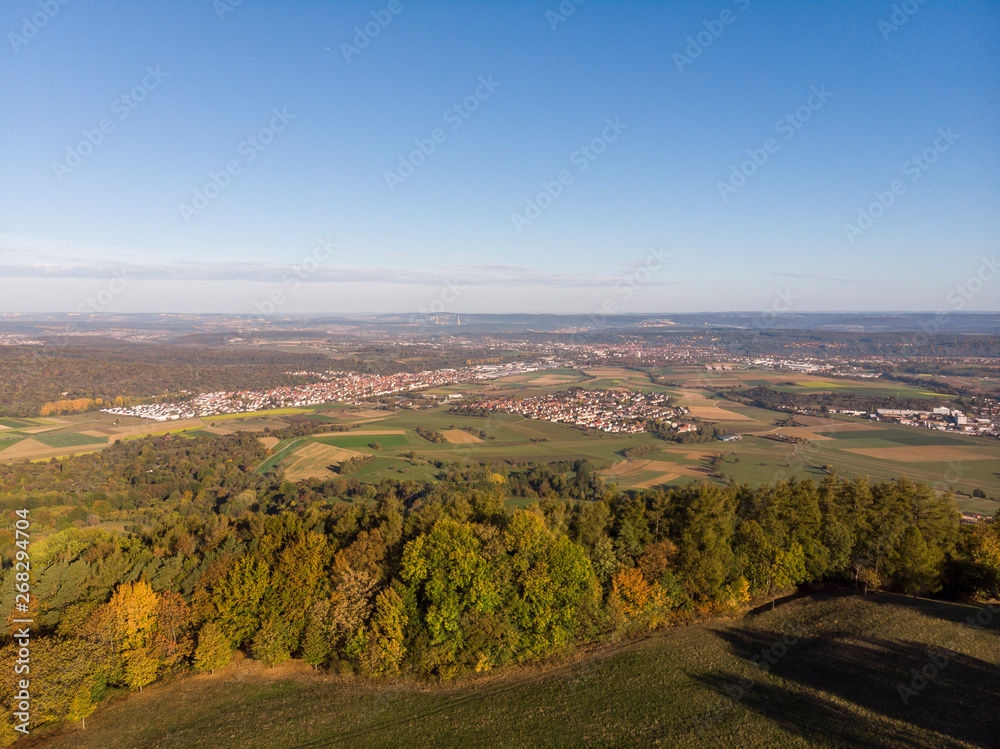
x=613 y=411
x=333 y=387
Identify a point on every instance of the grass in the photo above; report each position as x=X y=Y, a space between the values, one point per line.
x=256 y=414
x=18 y=423
x=313 y=459
x=200 y=433
x=281 y=452
x=350 y=441
x=69 y=439
x=838 y=660
x=6 y=442
x=155 y=433
x=894 y=437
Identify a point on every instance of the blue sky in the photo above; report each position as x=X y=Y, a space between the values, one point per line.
x=649 y=218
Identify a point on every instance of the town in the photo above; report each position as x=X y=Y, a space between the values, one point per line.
x=333 y=387
x=619 y=412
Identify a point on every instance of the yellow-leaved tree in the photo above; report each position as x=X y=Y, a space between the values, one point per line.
x=133 y=615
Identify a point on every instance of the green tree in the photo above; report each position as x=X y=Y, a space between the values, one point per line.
x=238 y=600
x=272 y=643
x=914 y=571
x=983 y=554
x=214 y=649
x=315 y=644
x=384 y=648
x=702 y=521
x=788 y=568
x=296 y=583
x=448 y=577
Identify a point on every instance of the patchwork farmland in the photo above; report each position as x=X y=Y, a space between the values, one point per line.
x=817 y=445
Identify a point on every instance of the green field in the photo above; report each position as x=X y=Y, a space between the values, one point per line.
x=835 y=662
x=69 y=439
x=18 y=423
x=894 y=437
x=321 y=417
x=6 y=441
x=201 y=433
x=355 y=441
x=282 y=450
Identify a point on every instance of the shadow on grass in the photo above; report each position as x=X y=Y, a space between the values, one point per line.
x=987 y=618
x=958 y=698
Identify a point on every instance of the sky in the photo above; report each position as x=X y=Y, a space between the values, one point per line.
x=303 y=157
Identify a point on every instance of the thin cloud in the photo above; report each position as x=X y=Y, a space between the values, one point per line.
x=785 y=274
x=473 y=275
x=828 y=279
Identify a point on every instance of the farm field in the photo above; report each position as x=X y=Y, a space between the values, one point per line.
x=394 y=438
x=17 y=423
x=850 y=447
x=796 y=383
x=838 y=660
x=313 y=460
x=69 y=439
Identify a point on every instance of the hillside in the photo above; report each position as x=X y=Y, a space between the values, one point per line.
x=836 y=684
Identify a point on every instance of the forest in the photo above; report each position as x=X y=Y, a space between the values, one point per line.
x=165 y=555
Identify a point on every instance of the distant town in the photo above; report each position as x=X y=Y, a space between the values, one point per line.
x=620 y=412
x=333 y=387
